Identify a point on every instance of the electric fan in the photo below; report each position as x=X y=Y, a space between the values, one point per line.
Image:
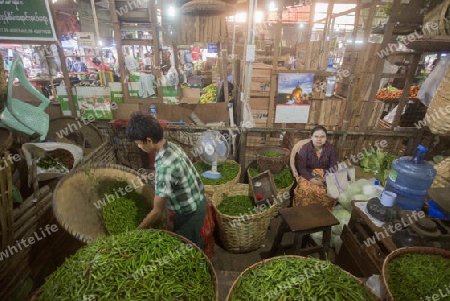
x=215 y=150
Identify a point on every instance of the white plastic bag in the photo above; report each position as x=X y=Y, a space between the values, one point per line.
x=429 y=87
x=42 y=174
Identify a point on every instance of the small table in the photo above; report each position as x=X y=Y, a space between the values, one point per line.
x=304 y=220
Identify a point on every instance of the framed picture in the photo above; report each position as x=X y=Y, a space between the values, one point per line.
x=293 y=98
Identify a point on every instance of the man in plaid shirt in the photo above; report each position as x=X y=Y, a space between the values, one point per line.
x=177 y=183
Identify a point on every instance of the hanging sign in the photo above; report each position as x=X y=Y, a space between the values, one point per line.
x=212 y=48
x=25 y=20
x=85 y=39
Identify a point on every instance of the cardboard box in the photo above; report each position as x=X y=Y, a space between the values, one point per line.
x=116 y=92
x=191 y=92
x=123 y=111
x=190 y=100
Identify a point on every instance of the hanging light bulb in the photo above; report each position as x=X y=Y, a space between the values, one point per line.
x=171 y=11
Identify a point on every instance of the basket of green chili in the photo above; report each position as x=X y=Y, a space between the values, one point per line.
x=242 y=226
x=273 y=158
x=97 y=200
x=292 y=277
x=138 y=265
x=416 y=273
x=230 y=170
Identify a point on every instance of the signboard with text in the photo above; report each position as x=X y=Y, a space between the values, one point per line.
x=27 y=20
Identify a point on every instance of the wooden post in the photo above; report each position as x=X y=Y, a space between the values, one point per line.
x=380 y=65
x=405 y=95
x=348 y=105
x=64 y=69
x=118 y=39
x=274 y=75
x=155 y=30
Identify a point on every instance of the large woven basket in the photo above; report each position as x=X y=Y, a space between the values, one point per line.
x=240 y=234
x=152 y=295
x=402 y=251
x=210 y=189
x=438 y=16
x=438 y=122
x=274 y=164
x=443 y=174
x=258 y=264
x=76 y=203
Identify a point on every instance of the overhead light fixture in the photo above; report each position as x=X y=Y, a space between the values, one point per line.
x=272 y=6
x=171 y=11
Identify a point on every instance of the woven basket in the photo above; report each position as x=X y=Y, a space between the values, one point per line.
x=276 y=164
x=438 y=16
x=210 y=189
x=5 y=139
x=438 y=122
x=442 y=179
x=384 y=277
x=240 y=234
x=207 y=7
x=153 y=295
x=71 y=130
x=256 y=265
x=76 y=203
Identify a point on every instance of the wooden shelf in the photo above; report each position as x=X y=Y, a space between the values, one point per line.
x=399 y=29
x=431 y=44
x=142 y=42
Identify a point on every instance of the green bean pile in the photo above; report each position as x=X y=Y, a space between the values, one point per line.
x=272 y=154
x=108 y=269
x=282 y=179
x=228 y=170
x=288 y=278
x=416 y=276
x=236 y=205
x=126 y=212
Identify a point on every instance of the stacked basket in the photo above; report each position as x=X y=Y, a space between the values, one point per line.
x=274 y=164
x=443 y=174
x=210 y=189
x=240 y=234
x=438 y=122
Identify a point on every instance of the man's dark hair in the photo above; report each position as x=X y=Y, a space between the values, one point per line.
x=142 y=126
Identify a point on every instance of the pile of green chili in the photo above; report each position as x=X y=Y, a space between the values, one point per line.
x=236 y=205
x=126 y=212
x=113 y=268
x=228 y=170
x=282 y=179
x=272 y=154
x=289 y=278
x=416 y=276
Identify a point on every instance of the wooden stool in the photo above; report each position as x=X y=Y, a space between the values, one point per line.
x=304 y=220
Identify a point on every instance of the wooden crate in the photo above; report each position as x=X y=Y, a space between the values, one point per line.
x=263 y=188
x=312 y=55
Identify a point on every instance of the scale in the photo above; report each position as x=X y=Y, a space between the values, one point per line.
x=429 y=232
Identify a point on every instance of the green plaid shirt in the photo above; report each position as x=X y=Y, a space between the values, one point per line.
x=178 y=180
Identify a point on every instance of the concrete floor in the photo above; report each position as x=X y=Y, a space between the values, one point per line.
x=229 y=266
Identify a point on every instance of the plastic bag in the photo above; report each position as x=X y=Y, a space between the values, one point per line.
x=431 y=84
x=208 y=229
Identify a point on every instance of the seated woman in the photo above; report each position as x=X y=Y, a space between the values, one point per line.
x=314 y=158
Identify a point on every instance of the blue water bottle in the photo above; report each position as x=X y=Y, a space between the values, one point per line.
x=153 y=110
x=410 y=179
